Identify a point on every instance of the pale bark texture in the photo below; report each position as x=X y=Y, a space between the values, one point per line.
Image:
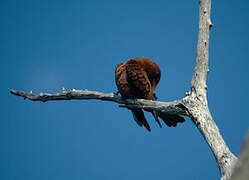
x=194 y=105
x=164 y=107
x=196 y=101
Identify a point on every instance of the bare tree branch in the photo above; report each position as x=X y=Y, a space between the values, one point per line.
x=196 y=101
x=201 y=117
x=175 y=107
x=201 y=67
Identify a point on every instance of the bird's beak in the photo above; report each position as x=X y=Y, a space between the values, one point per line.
x=153 y=85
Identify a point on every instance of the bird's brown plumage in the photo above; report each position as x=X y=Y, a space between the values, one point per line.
x=137 y=79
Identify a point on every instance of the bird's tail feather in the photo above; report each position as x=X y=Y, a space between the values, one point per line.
x=171 y=120
x=155 y=115
x=139 y=117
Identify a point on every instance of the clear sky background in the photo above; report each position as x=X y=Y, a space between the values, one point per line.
x=46 y=45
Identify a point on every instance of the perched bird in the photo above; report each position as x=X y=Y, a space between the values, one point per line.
x=137 y=79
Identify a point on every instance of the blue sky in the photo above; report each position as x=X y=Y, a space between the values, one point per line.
x=46 y=45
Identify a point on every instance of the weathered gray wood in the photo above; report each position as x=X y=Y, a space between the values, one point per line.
x=164 y=107
x=199 y=86
x=196 y=101
x=201 y=117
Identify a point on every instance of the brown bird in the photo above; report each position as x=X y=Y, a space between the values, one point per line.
x=137 y=79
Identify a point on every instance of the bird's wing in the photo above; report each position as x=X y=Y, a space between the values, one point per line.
x=138 y=80
x=121 y=80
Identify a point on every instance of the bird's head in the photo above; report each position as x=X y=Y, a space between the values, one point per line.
x=153 y=72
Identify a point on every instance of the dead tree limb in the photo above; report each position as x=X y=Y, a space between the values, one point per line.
x=194 y=105
x=196 y=101
x=164 y=107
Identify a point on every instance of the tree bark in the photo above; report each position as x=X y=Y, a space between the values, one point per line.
x=194 y=105
x=175 y=107
x=196 y=101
